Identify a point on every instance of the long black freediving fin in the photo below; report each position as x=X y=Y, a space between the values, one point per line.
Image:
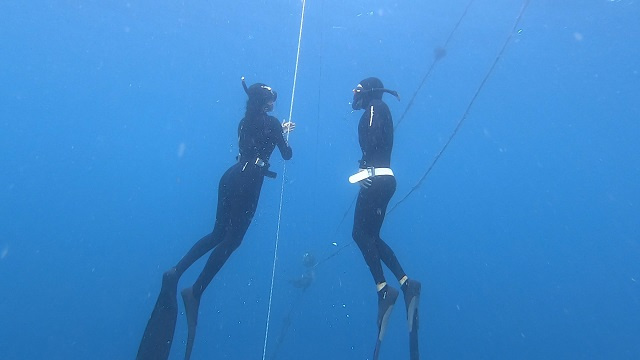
x=386 y=300
x=411 y=301
x=158 y=335
x=414 y=350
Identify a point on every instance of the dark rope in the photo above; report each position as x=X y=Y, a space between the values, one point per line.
x=438 y=54
x=466 y=112
x=335 y=233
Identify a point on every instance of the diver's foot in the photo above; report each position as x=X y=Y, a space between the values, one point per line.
x=191 y=306
x=387 y=297
x=411 y=289
x=169 y=289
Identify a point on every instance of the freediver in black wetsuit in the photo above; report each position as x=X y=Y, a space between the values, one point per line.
x=375 y=133
x=238 y=193
x=306 y=279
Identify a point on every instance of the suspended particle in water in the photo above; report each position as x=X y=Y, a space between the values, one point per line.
x=181 y=148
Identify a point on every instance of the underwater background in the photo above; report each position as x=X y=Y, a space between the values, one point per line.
x=117 y=120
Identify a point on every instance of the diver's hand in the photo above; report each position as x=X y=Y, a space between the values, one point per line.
x=365 y=183
x=288 y=126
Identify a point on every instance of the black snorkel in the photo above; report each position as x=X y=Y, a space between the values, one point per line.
x=384 y=90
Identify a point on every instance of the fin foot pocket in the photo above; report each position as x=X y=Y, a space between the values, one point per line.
x=191 y=306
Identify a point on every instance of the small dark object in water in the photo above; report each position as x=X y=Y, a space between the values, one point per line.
x=308 y=260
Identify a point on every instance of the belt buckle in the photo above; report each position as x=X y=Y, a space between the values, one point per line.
x=371 y=171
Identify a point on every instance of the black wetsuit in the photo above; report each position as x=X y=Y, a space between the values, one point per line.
x=238 y=195
x=375 y=132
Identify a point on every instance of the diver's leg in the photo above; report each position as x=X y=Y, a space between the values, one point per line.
x=226 y=192
x=241 y=210
x=385 y=187
x=158 y=336
x=201 y=247
x=367 y=222
x=411 y=288
x=192 y=295
x=389 y=258
x=363 y=222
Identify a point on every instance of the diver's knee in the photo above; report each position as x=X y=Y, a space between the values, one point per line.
x=362 y=238
x=235 y=244
x=232 y=244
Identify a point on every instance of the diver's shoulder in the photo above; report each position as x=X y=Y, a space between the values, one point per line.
x=378 y=104
x=379 y=107
x=273 y=120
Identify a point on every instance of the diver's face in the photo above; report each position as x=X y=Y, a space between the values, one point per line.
x=273 y=96
x=358 y=98
x=268 y=107
x=357 y=102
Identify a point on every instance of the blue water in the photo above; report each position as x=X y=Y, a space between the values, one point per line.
x=117 y=120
